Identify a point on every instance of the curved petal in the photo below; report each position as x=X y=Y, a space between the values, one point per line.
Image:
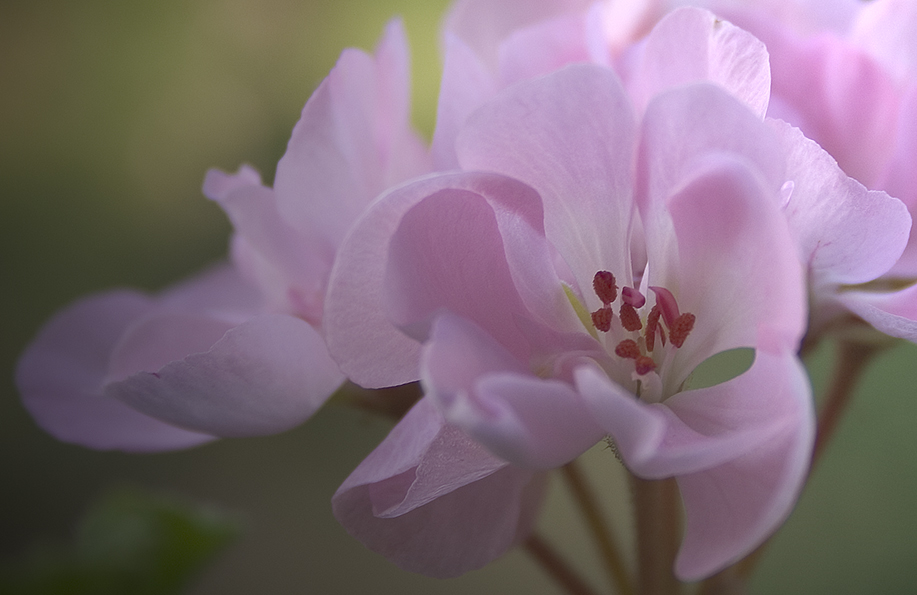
x=371 y=350
x=886 y=29
x=691 y=44
x=485 y=391
x=220 y=290
x=733 y=508
x=569 y=135
x=740 y=451
x=900 y=176
x=737 y=267
x=434 y=502
x=548 y=45
x=893 y=313
x=353 y=141
x=483 y=24
x=846 y=234
x=264 y=376
x=466 y=84
x=299 y=267
x=61 y=374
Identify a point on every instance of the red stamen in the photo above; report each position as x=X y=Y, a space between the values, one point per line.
x=679 y=331
x=601 y=318
x=666 y=302
x=629 y=318
x=605 y=287
x=628 y=349
x=631 y=296
x=645 y=365
x=652 y=323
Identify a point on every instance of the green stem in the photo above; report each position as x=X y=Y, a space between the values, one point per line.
x=551 y=562
x=600 y=529
x=658 y=519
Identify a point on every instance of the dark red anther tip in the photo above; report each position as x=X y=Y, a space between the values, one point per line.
x=645 y=365
x=630 y=320
x=681 y=329
x=628 y=349
x=652 y=323
x=601 y=318
x=605 y=287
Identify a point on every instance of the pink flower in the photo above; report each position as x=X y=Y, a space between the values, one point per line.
x=215 y=356
x=568 y=293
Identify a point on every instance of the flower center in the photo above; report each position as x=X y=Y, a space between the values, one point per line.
x=663 y=316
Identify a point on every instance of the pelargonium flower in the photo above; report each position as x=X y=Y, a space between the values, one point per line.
x=237 y=351
x=564 y=286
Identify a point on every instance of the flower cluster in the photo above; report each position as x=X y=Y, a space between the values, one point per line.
x=615 y=192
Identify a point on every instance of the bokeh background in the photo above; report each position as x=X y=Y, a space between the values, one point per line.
x=110 y=113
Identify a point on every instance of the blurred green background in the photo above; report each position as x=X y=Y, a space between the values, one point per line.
x=110 y=113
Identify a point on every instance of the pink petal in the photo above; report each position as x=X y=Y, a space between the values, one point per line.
x=846 y=234
x=291 y=268
x=264 y=376
x=220 y=290
x=434 y=502
x=840 y=98
x=353 y=141
x=738 y=270
x=740 y=451
x=548 y=45
x=369 y=347
x=900 y=176
x=466 y=84
x=482 y=389
x=893 y=313
x=555 y=134
x=483 y=24
x=61 y=376
x=886 y=29
x=690 y=45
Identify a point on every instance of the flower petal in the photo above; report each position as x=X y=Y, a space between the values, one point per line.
x=353 y=141
x=893 y=313
x=361 y=337
x=691 y=44
x=61 y=375
x=554 y=134
x=264 y=376
x=846 y=234
x=485 y=391
x=432 y=501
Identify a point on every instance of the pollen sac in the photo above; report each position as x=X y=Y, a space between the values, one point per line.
x=605 y=287
x=601 y=318
x=645 y=365
x=652 y=325
x=628 y=349
x=630 y=320
x=681 y=328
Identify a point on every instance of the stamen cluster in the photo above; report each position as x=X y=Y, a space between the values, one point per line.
x=663 y=315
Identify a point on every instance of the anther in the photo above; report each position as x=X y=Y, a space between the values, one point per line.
x=652 y=324
x=605 y=287
x=601 y=319
x=631 y=296
x=645 y=365
x=679 y=331
x=630 y=320
x=628 y=349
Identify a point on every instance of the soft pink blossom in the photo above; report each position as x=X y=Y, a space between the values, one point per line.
x=481 y=285
x=238 y=351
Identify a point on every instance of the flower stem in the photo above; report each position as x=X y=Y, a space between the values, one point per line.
x=658 y=519
x=556 y=566
x=600 y=528
x=852 y=360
